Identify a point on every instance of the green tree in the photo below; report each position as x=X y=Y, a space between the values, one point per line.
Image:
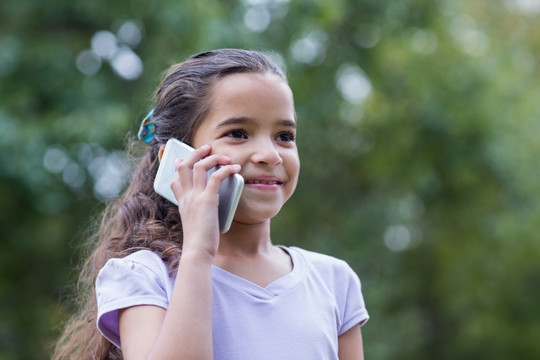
x=418 y=125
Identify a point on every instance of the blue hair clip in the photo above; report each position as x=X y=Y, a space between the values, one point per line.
x=147 y=129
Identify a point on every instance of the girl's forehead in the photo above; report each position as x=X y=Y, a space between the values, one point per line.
x=249 y=80
x=254 y=87
x=250 y=99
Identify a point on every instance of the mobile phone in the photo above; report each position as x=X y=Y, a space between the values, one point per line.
x=229 y=192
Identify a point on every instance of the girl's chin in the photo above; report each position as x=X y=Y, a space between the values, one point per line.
x=254 y=216
x=240 y=224
x=253 y=220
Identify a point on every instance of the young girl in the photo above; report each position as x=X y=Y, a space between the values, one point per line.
x=168 y=285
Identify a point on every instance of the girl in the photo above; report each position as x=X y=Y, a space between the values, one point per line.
x=168 y=285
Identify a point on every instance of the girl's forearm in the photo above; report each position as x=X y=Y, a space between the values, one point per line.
x=186 y=332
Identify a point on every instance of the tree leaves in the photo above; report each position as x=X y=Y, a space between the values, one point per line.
x=425 y=181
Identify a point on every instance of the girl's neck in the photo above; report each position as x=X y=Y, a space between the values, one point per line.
x=246 y=240
x=247 y=251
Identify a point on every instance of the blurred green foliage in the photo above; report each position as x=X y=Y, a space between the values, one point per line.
x=419 y=124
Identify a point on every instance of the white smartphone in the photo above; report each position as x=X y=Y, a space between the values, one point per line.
x=229 y=192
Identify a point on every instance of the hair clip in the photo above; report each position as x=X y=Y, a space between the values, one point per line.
x=147 y=129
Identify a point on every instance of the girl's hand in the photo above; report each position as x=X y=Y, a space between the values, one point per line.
x=198 y=198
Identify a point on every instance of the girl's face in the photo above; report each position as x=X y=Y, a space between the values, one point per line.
x=252 y=120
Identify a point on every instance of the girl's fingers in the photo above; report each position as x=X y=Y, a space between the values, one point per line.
x=184 y=167
x=183 y=176
x=193 y=170
x=197 y=155
x=215 y=180
x=201 y=168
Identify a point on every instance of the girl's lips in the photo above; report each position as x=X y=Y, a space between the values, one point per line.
x=263 y=183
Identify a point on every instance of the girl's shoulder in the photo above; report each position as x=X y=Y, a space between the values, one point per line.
x=316 y=258
x=140 y=278
x=136 y=264
x=326 y=265
x=146 y=258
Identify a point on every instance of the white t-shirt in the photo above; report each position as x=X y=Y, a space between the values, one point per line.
x=298 y=316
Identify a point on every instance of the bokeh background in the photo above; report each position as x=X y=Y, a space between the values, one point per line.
x=419 y=127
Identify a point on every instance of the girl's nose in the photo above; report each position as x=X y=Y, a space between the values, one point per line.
x=266 y=153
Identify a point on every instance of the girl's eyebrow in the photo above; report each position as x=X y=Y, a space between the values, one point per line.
x=244 y=121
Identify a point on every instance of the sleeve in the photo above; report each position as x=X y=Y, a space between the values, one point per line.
x=122 y=283
x=352 y=307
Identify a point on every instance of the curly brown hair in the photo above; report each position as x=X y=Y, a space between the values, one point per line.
x=140 y=218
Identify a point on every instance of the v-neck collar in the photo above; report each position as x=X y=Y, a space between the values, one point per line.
x=278 y=287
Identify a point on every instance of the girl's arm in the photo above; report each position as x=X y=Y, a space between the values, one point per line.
x=184 y=330
x=350 y=345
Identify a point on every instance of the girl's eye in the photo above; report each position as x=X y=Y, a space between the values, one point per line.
x=287 y=136
x=237 y=134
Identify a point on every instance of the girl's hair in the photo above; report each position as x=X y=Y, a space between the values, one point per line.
x=140 y=218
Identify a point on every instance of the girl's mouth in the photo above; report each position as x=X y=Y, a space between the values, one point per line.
x=263 y=182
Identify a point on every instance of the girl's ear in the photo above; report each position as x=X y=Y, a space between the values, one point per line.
x=160 y=153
